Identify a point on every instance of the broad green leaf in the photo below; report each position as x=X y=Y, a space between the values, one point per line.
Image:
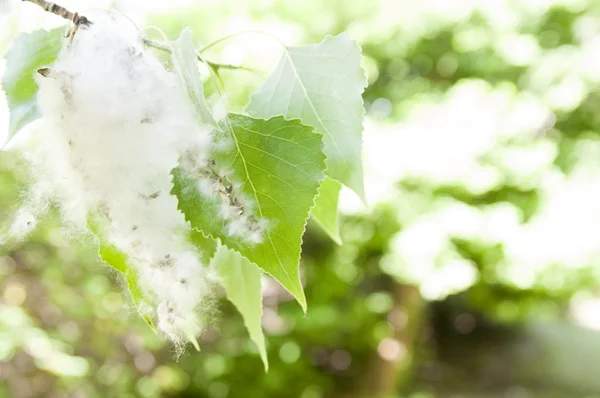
x=322 y=85
x=325 y=212
x=206 y=246
x=185 y=65
x=112 y=256
x=28 y=53
x=277 y=166
x=241 y=280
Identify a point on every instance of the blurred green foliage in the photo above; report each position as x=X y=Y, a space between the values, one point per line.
x=374 y=327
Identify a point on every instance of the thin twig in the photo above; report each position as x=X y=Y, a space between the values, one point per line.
x=214 y=65
x=81 y=20
x=62 y=12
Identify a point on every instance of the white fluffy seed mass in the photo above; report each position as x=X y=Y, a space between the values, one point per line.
x=117 y=124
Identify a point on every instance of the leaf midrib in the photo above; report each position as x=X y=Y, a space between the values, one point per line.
x=254 y=191
x=312 y=106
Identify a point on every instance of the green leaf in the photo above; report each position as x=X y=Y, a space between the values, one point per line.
x=28 y=53
x=112 y=256
x=241 y=280
x=206 y=246
x=325 y=212
x=322 y=85
x=185 y=65
x=277 y=166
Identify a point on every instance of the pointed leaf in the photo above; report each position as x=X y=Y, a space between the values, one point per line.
x=28 y=53
x=325 y=212
x=185 y=65
x=112 y=256
x=276 y=167
x=322 y=85
x=206 y=246
x=241 y=280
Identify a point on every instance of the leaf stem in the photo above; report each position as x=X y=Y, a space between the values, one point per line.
x=214 y=65
x=81 y=20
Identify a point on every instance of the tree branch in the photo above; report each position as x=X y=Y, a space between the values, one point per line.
x=62 y=12
x=214 y=65
x=80 y=20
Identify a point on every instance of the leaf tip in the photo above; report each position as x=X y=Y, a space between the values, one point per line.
x=193 y=340
x=302 y=301
x=263 y=357
x=150 y=324
x=337 y=239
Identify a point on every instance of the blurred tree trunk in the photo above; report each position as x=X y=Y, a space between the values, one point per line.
x=390 y=366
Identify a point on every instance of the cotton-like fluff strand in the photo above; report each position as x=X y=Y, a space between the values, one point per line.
x=118 y=123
